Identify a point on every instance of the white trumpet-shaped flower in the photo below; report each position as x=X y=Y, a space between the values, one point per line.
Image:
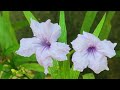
x=91 y=52
x=44 y=44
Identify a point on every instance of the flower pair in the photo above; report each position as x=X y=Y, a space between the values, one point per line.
x=90 y=51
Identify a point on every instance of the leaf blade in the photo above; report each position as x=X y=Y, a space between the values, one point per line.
x=107 y=25
x=63 y=37
x=33 y=66
x=99 y=26
x=88 y=76
x=88 y=21
x=29 y=15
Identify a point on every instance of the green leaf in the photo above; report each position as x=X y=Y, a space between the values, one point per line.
x=11 y=49
x=6 y=71
x=7 y=68
x=6 y=16
x=54 y=70
x=107 y=25
x=63 y=37
x=6 y=75
x=117 y=53
x=88 y=76
x=7 y=34
x=39 y=75
x=88 y=21
x=64 y=67
x=29 y=15
x=33 y=66
x=74 y=74
x=1 y=67
x=99 y=26
x=18 y=60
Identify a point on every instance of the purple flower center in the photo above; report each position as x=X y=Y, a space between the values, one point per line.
x=46 y=44
x=91 y=49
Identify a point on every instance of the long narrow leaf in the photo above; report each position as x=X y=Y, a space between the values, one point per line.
x=88 y=21
x=6 y=16
x=63 y=37
x=7 y=34
x=99 y=26
x=29 y=15
x=107 y=25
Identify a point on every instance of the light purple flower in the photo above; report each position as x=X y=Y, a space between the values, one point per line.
x=44 y=44
x=91 y=52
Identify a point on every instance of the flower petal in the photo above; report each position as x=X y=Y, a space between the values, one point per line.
x=107 y=48
x=28 y=46
x=90 y=37
x=58 y=51
x=43 y=58
x=80 y=43
x=98 y=62
x=35 y=27
x=46 y=30
x=55 y=32
x=80 y=61
x=42 y=52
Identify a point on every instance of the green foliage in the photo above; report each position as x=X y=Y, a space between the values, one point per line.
x=6 y=71
x=1 y=67
x=33 y=66
x=107 y=25
x=20 y=25
x=6 y=75
x=39 y=75
x=88 y=76
x=29 y=16
x=74 y=74
x=18 y=60
x=63 y=37
x=7 y=34
x=65 y=65
x=99 y=26
x=54 y=70
x=88 y=21
x=117 y=53
x=15 y=66
x=10 y=50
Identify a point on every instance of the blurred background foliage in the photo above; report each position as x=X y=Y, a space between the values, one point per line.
x=74 y=20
